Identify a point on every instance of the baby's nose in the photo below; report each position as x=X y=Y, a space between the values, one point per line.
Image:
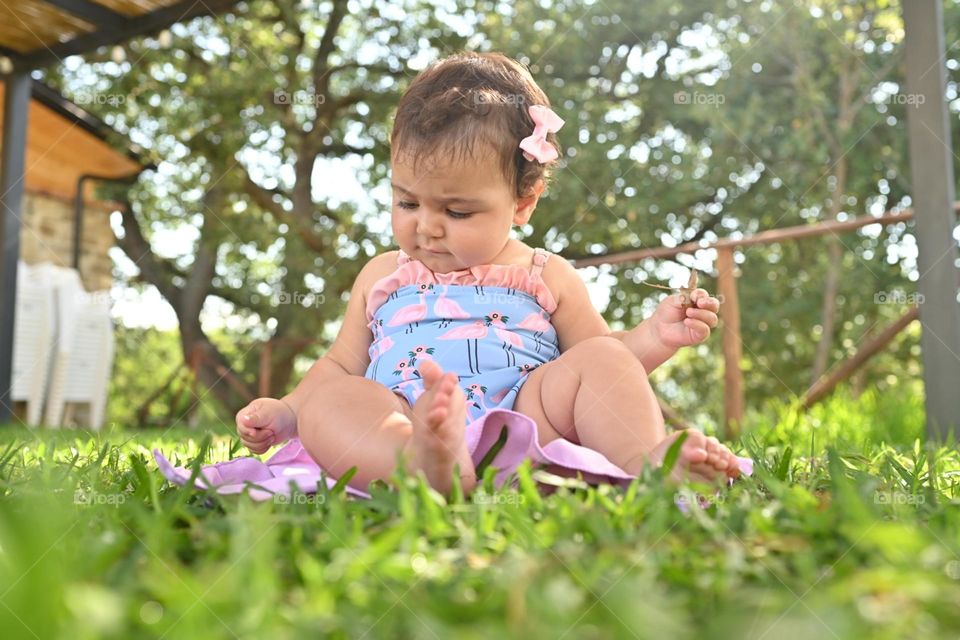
x=430 y=225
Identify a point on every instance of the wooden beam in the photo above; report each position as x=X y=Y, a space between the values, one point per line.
x=828 y=382
x=732 y=343
x=16 y=106
x=764 y=237
x=141 y=25
x=96 y=14
x=932 y=178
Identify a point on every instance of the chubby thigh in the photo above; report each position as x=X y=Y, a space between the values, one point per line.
x=550 y=392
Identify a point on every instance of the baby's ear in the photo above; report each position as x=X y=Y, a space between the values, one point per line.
x=526 y=204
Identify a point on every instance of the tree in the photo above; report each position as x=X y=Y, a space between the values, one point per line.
x=685 y=121
x=237 y=112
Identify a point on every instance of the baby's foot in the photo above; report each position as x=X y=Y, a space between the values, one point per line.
x=439 y=421
x=702 y=458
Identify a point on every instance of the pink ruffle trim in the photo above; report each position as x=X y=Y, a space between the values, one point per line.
x=511 y=276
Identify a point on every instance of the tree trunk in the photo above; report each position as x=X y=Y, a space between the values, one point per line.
x=187 y=301
x=281 y=367
x=829 y=308
x=835 y=138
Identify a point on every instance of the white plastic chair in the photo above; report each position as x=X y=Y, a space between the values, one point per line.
x=84 y=355
x=34 y=334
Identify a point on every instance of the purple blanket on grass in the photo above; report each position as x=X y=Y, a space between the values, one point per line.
x=292 y=463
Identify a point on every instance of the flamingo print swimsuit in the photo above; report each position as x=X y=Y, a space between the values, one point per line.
x=489 y=324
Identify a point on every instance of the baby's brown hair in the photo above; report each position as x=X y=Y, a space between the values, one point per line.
x=469 y=103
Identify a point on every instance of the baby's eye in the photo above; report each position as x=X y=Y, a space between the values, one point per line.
x=458 y=215
x=405 y=204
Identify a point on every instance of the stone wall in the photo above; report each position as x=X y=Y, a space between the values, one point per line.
x=47 y=236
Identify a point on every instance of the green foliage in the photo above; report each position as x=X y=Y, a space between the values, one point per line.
x=709 y=119
x=145 y=360
x=685 y=121
x=849 y=528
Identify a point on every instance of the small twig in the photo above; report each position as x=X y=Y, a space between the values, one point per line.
x=685 y=292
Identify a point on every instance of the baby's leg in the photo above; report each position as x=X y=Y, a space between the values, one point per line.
x=352 y=421
x=597 y=394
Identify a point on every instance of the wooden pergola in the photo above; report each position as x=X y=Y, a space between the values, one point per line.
x=36 y=34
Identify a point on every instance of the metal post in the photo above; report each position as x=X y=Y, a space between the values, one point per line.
x=15 y=109
x=931 y=166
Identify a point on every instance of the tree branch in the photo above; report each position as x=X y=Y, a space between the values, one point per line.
x=321 y=60
x=263 y=196
x=138 y=249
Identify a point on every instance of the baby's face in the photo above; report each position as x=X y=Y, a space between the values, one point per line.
x=454 y=216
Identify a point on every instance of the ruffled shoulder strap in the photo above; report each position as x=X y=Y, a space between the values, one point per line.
x=540 y=257
x=402 y=258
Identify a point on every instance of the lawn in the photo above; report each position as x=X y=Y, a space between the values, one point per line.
x=848 y=529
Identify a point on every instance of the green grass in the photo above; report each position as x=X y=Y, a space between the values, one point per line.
x=849 y=529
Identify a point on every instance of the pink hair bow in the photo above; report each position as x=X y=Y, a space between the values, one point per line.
x=535 y=146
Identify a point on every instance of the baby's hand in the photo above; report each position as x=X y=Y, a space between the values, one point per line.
x=264 y=423
x=678 y=326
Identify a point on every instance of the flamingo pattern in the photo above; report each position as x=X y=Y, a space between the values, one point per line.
x=510 y=339
x=448 y=310
x=420 y=352
x=412 y=314
x=468 y=327
x=381 y=344
x=475 y=332
x=408 y=377
x=475 y=394
x=538 y=323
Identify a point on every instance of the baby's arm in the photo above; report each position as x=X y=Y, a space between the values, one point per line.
x=648 y=348
x=576 y=319
x=350 y=353
x=268 y=421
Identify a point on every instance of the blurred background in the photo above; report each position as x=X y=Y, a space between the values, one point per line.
x=261 y=186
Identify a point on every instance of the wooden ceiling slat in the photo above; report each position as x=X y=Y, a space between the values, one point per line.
x=145 y=17
x=28 y=25
x=92 y=12
x=60 y=151
x=135 y=7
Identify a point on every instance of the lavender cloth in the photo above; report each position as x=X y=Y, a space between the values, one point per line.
x=292 y=463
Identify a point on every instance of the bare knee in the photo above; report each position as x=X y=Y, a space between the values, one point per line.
x=604 y=353
x=350 y=390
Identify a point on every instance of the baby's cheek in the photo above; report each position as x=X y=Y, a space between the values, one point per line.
x=484 y=242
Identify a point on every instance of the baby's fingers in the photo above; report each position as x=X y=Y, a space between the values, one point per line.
x=704 y=300
x=254 y=435
x=707 y=317
x=699 y=330
x=257 y=447
x=249 y=416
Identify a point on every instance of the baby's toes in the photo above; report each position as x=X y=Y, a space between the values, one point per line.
x=431 y=372
x=693 y=450
x=718 y=460
x=715 y=454
x=692 y=453
x=733 y=464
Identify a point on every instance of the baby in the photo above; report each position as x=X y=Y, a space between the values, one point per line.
x=463 y=319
